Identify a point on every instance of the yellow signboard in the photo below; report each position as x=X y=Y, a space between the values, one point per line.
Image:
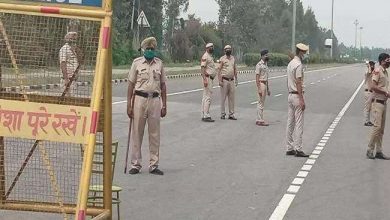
x=42 y=121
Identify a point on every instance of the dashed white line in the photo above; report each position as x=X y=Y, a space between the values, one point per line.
x=278 y=95
x=285 y=203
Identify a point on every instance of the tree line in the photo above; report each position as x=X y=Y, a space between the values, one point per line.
x=248 y=25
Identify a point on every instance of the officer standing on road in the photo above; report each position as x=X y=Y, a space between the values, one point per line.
x=227 y=75
x=296 y=102
x=368 y=93
x=208 y=75
x=262 y=72
x=70 y=58
x=380 y=88
x=146 y=86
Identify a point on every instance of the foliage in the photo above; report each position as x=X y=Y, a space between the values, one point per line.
x=276 y=59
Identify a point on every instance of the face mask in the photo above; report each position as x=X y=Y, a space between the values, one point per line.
x=149 y=54
x=228 y=53
x=72 y=42
x=305 y=57
x=266 y=59
x=211 y=50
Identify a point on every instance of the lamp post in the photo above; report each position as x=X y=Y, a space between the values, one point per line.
x=356 y=23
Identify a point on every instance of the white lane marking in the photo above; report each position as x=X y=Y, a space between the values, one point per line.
x=313 y=83
x=293 y=189
x=310 y=161
x=316 y=152
x=302 y=174
x=284 y=204
x=298 y=181
x=254 y=103
x=306 y=167
x=319 y=81
x=278 y=95
x=282 y=207
x=240 y=83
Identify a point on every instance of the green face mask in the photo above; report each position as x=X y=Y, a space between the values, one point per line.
x=149 y=54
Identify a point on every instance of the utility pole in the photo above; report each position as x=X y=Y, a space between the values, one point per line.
x=294 y=26
x=132 y=16
x=361 y=49
x=356 y=23
x=331 y=32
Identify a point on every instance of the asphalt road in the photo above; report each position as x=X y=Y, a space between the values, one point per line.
x=236 y=170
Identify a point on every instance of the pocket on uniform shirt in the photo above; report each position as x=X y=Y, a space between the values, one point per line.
x=156 y=75
x=143 y=75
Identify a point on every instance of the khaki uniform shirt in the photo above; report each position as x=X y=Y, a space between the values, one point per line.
x=70 y=58
x=228 y=66
x=262 y=70
x=381 y=77
x=147 y=77
x=208 y=62
x=367 y=80
x=294 y=71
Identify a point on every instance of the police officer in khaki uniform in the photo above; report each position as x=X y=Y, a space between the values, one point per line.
x=146 y=103
x=227 y=75
x=368 y=93
x=262 y=72
x=71 y=58
x=208 y=75
x=380 y=88
x=296 y=102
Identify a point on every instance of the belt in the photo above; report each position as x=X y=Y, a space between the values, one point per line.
x=383 y=102
x=295 y=93
x=147 y=94
x=368 y=90
x=228 y=79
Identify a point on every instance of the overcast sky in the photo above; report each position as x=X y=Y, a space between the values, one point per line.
x=373 y=16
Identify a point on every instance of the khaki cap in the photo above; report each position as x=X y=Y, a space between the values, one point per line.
x=149 y=42
x=227 y=47
x=209 y=45
x=302 y=47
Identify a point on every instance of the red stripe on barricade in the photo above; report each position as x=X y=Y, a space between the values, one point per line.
x=94 y=122
x=81 y=215
x=50 y=10
x=106 y=37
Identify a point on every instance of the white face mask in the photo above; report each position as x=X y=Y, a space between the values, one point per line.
x=305 y=57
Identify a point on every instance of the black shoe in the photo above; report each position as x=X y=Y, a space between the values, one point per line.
x=381 y=156
x=370 y=155
x=368 y=124
x=133 y=171
x=208 y=119
x=223 y=117
x=157 y=172
x=232 y=117
x=301 y=154
x=291 y=152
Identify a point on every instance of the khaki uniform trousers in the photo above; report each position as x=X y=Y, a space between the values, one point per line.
x=260 y=103
x=379 y=116
x=294 y=123
x=146 y=110
x=227 y=90
x=367 y=106
x=206 y=100
x=72 y=88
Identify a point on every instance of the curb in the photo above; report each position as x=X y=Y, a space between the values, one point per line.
x=39 y=87
x=116 y=81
